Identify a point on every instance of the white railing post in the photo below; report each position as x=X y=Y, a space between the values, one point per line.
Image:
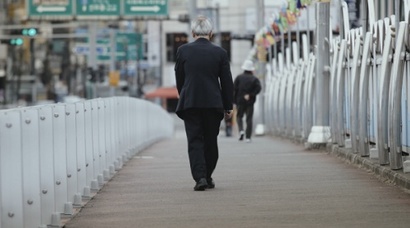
x=51 y=156
x=89 y=151
x=80 y=126
x=60 y=159
x=11 y=188
x=71 y=154
x=49 y=213
x=31 y=166
x=396 y=85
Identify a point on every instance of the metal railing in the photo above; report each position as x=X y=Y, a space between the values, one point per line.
x=52 y=157
x=369 y=91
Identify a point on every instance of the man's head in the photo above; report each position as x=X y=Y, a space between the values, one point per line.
x=201 y=27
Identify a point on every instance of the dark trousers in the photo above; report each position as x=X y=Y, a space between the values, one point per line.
x=246 y=109
x=202 y=129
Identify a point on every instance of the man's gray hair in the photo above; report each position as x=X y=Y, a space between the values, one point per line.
x=202 y=26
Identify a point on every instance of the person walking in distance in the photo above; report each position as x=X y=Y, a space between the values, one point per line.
x=246 y=87
x=205 y=86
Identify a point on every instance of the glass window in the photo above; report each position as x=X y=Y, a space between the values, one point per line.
x=173 y=42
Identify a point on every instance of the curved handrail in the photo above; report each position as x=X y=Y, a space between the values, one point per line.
x=364 y=96
x=396 y=83
x=333 y=97
x=340 y=93
x=354 y=104
x=308 y=98
x=385 y=74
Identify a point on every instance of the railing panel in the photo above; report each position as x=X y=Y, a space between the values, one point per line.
x=120 y=130
x=71 y=151
x=116 y=130
x=374 y=98
x=289 y=101
x=140 y=115
x=308 y=98
x=135 y=128
x=114 y=135
x=96 y=143
x=46 y=164
x=406 y=108
x=101 y=138
x=395 y=98
x=385 y=75
x=364 y=96
x=81 y=147
x=333 y=94
x=89 y=145
x=277 y=105
x=108 y=137
x=354 y=91
x=11 y=189
x=282 y=102
x=30 y=139
x=60 y=157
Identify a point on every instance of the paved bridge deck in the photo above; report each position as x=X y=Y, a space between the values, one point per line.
x=267 y=183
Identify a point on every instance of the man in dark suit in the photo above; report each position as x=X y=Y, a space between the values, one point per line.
x=205 y=87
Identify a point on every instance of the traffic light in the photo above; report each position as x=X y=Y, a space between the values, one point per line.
x=16 y=41
x=13 y=42
x=29 y=32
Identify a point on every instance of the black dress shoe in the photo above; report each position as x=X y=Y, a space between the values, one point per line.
x=211 y=183
x=201 y=185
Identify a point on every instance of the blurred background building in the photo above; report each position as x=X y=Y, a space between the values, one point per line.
x=61 y=50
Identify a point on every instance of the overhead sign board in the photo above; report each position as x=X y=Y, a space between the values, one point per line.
x=95 y=9
x=145 y=7
x=128 y=47
x=51 y=8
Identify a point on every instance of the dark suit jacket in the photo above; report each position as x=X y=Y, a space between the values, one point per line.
x=203 y=77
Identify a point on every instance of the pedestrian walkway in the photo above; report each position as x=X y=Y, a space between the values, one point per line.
x=267 y=183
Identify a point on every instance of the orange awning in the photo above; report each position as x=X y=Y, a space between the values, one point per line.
x=163 y=92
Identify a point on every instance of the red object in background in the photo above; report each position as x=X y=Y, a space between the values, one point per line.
x=163 y=92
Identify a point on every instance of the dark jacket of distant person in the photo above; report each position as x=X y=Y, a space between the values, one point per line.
x=246 y=83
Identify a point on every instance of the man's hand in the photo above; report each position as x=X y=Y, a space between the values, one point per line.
x=246 y=97
x=228 y=114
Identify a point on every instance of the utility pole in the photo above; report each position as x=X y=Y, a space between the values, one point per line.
x=92 y=55
x=218 y=35
x=192 y=14
x=161 y=48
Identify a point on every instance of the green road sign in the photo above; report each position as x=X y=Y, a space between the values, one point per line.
x=129 y=46
x=49 y=8
x=93 y=8
x=145 y=7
